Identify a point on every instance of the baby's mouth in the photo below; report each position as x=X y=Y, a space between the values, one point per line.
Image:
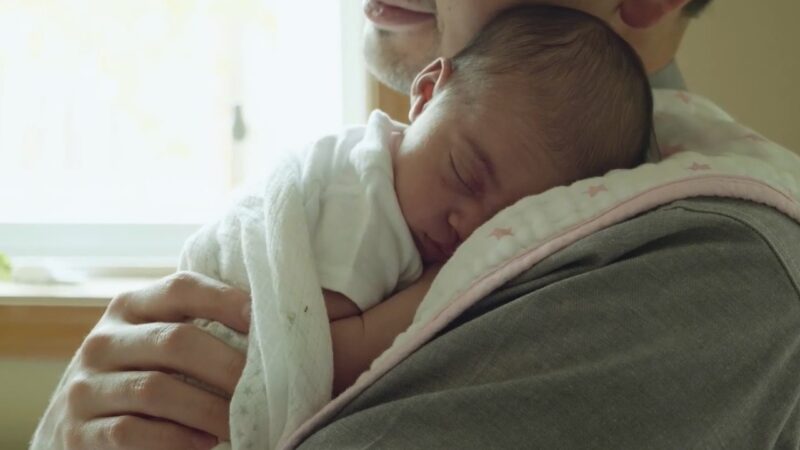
x=431 y=250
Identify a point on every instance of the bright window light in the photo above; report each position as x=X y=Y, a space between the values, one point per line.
x=151 y=112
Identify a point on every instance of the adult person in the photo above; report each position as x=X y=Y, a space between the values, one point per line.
x=401 y=36
x=674 y=329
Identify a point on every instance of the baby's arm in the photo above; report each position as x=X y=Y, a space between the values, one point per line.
x=339 y=306
x=359 y=338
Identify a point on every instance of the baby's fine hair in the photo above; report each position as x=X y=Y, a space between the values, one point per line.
x=578 y=86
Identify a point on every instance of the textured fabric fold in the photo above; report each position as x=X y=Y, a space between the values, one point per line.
x=262 y=245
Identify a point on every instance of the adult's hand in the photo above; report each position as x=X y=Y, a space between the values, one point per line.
x=118 y=391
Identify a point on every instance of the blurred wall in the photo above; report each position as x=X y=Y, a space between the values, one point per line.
x=25 y=388
x=744 y=55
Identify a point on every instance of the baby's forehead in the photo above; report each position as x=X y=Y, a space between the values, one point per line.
x=506 y=143
x=507 y=126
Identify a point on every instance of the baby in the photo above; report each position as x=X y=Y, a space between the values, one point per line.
x=544 y=96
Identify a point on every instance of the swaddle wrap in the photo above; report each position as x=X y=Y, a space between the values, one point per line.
x=262 y=246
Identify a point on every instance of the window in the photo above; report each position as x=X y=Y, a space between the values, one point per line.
x=126 y=124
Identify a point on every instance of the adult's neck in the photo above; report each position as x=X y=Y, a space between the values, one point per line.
x=658 y=45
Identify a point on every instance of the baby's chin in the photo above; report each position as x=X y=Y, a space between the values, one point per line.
x=431 y=252
x=428 y=260
x=428 y=257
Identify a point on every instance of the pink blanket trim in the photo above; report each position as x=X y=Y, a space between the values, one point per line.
x=707 y=186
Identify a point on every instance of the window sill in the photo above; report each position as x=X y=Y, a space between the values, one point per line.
x=92 y=293
x=51 y=321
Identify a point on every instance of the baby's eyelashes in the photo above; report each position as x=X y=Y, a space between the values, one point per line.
x=462 y=184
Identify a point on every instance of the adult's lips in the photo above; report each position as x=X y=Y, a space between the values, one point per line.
x=397 y=14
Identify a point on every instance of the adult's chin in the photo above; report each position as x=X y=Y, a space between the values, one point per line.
x=395 y=58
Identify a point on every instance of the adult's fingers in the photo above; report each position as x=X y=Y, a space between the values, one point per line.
x=182 y=296
x=139 y=433
x=170 y=347
x=152 y=394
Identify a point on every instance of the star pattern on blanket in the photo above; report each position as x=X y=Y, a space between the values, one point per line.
x=684 y=97
x=697 y=167
x=500 y=233
x=594 y=190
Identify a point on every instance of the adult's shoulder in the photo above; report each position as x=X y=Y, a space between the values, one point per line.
x=675 y=329
x=698 y=246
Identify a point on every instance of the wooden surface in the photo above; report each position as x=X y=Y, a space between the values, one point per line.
x=44 y=332
x=50 y=321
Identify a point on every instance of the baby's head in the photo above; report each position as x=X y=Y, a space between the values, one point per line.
x=542 y=97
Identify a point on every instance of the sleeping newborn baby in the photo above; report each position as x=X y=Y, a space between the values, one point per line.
x=542 y=97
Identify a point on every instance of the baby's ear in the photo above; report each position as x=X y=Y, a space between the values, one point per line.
x=428 y=83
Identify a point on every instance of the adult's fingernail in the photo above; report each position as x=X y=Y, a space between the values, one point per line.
x=247 y=311
x=204 y=441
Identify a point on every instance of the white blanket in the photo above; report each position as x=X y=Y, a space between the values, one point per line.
x=262 y=246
